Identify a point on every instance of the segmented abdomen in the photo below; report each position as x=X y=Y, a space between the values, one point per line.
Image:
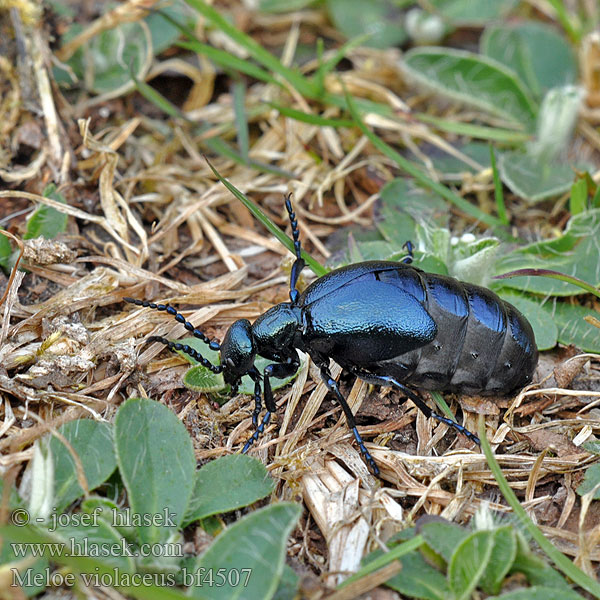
x=484 y=345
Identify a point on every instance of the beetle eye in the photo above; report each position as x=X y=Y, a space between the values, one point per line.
x=230 y=363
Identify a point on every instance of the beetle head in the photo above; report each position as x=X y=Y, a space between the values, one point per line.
x=238 y=350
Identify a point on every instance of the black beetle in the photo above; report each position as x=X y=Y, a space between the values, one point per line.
x=388 y=323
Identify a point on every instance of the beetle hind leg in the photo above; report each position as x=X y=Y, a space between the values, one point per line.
x=420 y=404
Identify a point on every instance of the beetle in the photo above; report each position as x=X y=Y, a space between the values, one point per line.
x=388 y=323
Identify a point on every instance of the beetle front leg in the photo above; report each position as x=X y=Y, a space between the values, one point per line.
x=386 y=380
x=280 y=371
x=332 y=386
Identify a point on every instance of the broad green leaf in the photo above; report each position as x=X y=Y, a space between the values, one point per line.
x=534 y=178
x=19 y=564
x=381 y=19
x=469 y=562
x=473 y=80
x=575 y=253
x=164 y=33
x=201 y=379
x=92 y=441
x=157 y=464
x=108 y=59
x=537 y=52
x=253 y=548
x=544 y=328
x=468 y=13
x=444 y=538
x=288 y=584
x=418 y=579
x=454 y=168
x=592 y=446
x=504 y=553
x=539 y=593
x=46 y=221
x=572 y=326
x=590 y=481
x=228 y=483
x=100 y=540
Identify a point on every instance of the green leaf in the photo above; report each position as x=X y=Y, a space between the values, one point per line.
x=107 y=59
x=31 y=573
x=253 y=547
x=469 y=563
x=590 y=481
x=99 y=540
x=539 y=593
x=381 y=19
x=579 y=196
x=164 y=33
x=541 y=57
x=46 y=221
x=574 y=253
x=504 y=552
x=592 y=446
x=534 y=178
x=157 y=464
x=6 y=253
x=283 y=6
x=572 y=326
x=418 y=579
x=473 y=80
x=201 y=379
x=288 y=585
x=444 y=538
x=92 y=441
x=463 y=13
x=226 y=484
x=545 y=330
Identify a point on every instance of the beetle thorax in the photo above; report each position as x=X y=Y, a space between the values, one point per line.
x=274 y=332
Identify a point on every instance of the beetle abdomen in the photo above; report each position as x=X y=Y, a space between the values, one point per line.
x=483 y=344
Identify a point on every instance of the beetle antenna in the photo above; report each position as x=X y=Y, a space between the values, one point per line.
x=212 y=344
x=299 y=262
x=177 y=346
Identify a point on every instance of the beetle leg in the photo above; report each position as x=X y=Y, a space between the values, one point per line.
x=299 y=262
x=407 y=260
x=332 y=386
x=390 y=381
x=176 y=346
x=279 y=370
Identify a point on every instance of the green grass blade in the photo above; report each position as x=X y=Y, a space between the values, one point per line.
x=419 y=175
x=439 y=400
x=498 y=193
x=559 y=559
x=482 y=132
x=305 y=117
x=222 y=148
x=256 y=51
x=156 y=98
x=241 y=120
x=584 y=285
x=258 y=214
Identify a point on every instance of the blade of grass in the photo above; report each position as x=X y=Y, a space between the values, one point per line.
x=222 y=148
x=439 y=400
x=584 y=285
x=241 y=120
x=419 y=175
x=498 y=194
x=229 y=61
x=305 y=117
x=394 y=554
x=254 y=49
x=258 y=214
x=475 y=131
x=156 y=98
x=559 y=559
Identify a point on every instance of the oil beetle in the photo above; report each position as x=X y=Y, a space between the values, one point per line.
x=388 y=323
